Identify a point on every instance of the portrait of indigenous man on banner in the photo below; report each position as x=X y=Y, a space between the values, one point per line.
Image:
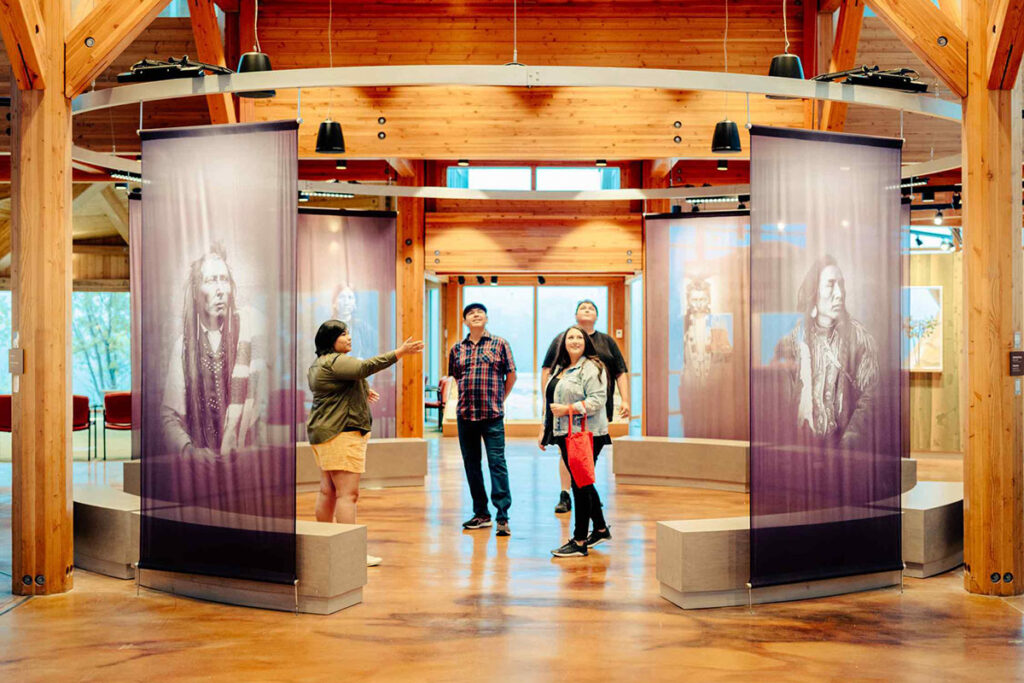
x=826 y=435
x=346 y=272
x=697 y=268
x=216 y=309
x=832 y=363
x=216 y=390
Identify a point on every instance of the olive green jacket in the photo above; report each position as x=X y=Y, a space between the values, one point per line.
x=340 y=394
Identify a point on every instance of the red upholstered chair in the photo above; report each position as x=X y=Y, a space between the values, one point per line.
x=5 y=413
x=442 y=396
x=117 y=414
x=81 y=419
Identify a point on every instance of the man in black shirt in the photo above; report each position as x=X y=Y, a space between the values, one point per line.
x=618 y=373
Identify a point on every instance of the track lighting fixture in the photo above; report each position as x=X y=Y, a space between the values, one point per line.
x=541 y=280
x=723 y=165
x=462 y=280
x=463 y=162
x=938 y=218
x=494 y=281
x=480 y=279
x=601 y=163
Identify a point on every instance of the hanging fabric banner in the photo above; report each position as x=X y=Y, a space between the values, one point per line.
x=346 y=272
x=697 y=306
x=825 y=356
x=217 y=311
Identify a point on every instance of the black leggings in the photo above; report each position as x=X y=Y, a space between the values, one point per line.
x=585 y=501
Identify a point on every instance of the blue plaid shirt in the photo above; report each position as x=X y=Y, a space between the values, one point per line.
x=481 y=369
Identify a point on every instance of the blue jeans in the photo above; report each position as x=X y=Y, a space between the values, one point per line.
x=492 y=432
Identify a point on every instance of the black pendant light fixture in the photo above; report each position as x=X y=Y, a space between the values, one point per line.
x=255 y=61
x=785 y=65
x=726 y=139
x=329 y=138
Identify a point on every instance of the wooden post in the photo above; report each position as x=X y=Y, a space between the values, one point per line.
x=410 y=305
x=41 y=524
x=993 y=486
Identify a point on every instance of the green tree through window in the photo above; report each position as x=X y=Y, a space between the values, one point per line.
x=101 y=343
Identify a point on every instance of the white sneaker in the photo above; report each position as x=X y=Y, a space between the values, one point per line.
x=372 y=561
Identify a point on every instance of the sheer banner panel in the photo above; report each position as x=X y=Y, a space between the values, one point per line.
x=697 y=315
x=825 y=356
x=218 y=332
x=347 y=272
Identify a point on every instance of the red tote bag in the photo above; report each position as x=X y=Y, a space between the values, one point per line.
x=580 y=450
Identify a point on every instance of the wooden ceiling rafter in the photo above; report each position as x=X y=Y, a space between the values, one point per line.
x=844 y=56
x=21 y=26
x=1007 y=48
x=210 y=49
x=829 y=6
x=101 y=36
x=931 y=35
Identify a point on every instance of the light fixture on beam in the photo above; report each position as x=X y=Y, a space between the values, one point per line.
x=601 y=163
x=340 y=165
x=785 y=65
x=463 y=162
x=726 y=139
x=255 y=61
x=329 y=138
x=723 y=165
x=938 y=218
x=480 y=279
x=494 y=281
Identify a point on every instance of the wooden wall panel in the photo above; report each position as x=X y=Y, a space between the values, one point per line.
x=936 y=413
x=447 y=122
x=494 y=244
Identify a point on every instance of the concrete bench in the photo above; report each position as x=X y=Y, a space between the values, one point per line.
x=389 y=462
x=699 y=463
x=330 y=558
x=668 y=461
x=706 y=562
x=933 y=528
x=106 y=530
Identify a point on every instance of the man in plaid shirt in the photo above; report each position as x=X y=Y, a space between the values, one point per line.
x=483 y=367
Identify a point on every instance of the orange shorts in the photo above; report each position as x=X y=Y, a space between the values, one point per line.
x=345 y=451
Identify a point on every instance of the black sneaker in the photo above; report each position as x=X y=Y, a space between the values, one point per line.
x=503 y=529
x=564 y=503
x=597 y=537
x=570 y=549
x=477 y=523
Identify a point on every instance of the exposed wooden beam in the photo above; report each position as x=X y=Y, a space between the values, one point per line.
x=41 y=521
x=844 y=55
x=931 y=35
x=211 y=51
x=410 y=265
x=22 y=28
x=828 y=5
x=228 y=5
x=115 y=209
x=403 y=167
x=1006 y=44
x=951 y=8
x=82 y=195
x=993 y=467
x=101 y=36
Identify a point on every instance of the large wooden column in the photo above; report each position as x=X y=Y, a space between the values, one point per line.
x=41 y=280
x=409 y=297
x=993 y=458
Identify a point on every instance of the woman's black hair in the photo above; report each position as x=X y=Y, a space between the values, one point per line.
x=589 y=351
x=327 y=335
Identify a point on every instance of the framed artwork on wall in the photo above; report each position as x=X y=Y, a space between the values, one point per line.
x=922 y=328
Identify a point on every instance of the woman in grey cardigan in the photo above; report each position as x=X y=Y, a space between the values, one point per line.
x=577 y=386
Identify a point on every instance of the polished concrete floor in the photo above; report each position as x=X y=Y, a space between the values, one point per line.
x=449 y=605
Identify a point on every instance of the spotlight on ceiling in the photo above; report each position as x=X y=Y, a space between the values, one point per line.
x=480 y=279
x=723 y=165
x=957 y=202
x=938 y=218
x=541 y=280
x=918 y=241
x=341 y=165
x=463 y=162
x=742 y=206
x=494 y=281
x=947 y=245
x=695 y=208
x=601 y=163
x=462 y=280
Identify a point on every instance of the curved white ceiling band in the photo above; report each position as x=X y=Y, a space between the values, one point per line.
x=434 y=192
x=517 y=76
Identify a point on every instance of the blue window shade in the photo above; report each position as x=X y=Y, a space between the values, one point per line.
x=458 y=177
